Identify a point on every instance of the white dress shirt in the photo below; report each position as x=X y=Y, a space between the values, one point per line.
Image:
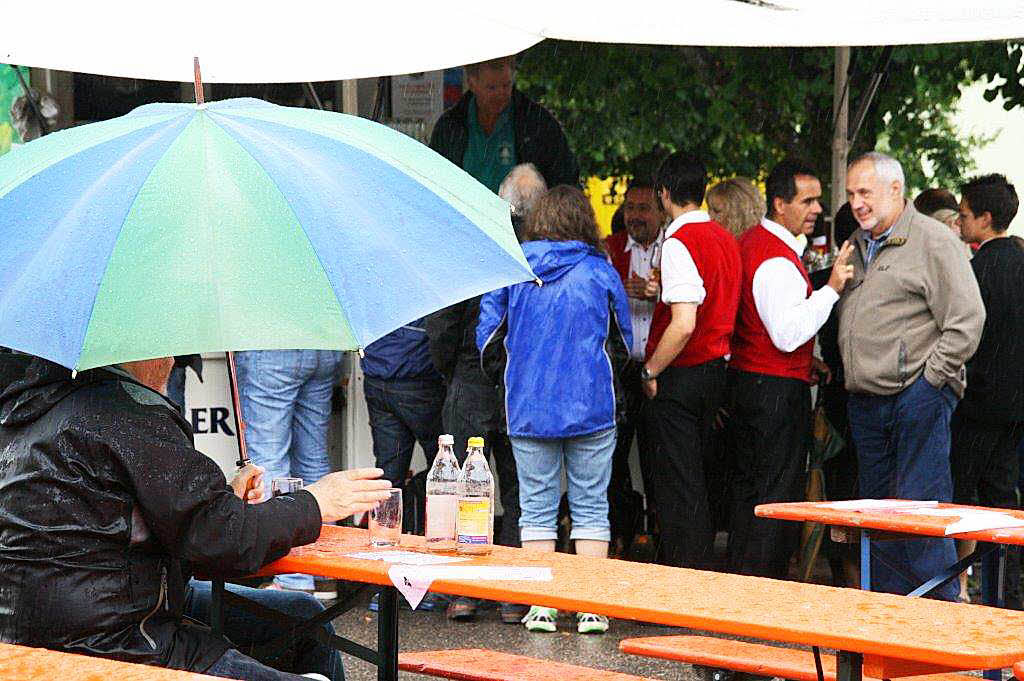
x=642 y=259
x=680 y=280
x=780 y=294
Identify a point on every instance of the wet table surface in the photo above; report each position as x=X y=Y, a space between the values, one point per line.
x=21 y=663
x=898 y=636
x=915 y=521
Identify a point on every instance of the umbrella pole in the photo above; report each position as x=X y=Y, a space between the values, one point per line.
x=243 y=452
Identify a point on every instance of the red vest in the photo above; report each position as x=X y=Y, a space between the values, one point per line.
x=615 y=244
x=752 y=347
x=717 y=257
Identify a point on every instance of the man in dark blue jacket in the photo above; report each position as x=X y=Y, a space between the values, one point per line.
x=404 y=394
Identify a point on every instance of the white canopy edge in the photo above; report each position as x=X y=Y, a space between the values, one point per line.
x=306 y=40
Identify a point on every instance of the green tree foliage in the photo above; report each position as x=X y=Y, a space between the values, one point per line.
x=744 y=109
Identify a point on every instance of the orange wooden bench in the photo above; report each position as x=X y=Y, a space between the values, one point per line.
x=21 y=663
x=476 y=664
x=1018 y=671
x=752 y=658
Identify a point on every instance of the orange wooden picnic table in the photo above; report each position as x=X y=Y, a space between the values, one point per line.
x=911 y=518
x=21 y=663
x=892 y=635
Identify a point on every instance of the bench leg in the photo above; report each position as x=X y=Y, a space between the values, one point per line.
x=387 y=635
x=849 y=666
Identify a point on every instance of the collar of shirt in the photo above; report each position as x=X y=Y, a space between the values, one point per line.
x=685 y=219
x=881 y=237
x=632 y=243
x=784 y=235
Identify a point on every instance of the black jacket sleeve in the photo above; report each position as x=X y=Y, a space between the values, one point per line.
x=188 y=505
x=445 y=329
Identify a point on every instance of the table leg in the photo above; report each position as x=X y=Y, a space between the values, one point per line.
x=387 y=635
x=865 y=560
x=849 y=666
x=217 y=607
x=993 y=589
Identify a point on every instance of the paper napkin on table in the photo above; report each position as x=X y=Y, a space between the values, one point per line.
x=413 y=581
x=405 y=557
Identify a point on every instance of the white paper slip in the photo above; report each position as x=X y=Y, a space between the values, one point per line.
x=879 y=505
x=405 y=557
x=975 y=519
x=414 y=581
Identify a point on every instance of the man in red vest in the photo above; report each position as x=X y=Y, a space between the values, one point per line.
x=635 y=253
x=771 y=370
x=687 y=350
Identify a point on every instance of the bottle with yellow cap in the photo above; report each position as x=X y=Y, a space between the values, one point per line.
x=474 y=527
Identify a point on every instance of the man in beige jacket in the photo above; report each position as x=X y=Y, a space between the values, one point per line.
x=909 y=320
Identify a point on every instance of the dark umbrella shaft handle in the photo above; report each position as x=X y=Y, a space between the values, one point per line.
x=243 y=452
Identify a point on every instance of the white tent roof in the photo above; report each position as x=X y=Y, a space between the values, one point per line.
x=304 y=40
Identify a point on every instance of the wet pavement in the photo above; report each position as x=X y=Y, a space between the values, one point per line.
x=432 y=631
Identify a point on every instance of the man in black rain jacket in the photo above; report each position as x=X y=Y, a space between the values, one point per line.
x=106 y=508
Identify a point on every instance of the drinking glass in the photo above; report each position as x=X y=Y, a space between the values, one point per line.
x=386 y=520
x=279 y=486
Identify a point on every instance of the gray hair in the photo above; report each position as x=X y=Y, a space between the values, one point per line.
x=886 y=167
x=522 y=187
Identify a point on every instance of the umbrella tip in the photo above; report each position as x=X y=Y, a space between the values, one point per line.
x=200 y=100
x=538 y=281
x=361 y=354
x=74 y=373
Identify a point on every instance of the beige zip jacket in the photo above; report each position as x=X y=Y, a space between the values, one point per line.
x=915 y=308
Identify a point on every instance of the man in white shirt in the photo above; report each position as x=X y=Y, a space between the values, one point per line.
x=772 y=368
x=684 y=374
x=635 y=254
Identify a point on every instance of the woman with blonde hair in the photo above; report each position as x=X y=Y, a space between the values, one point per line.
x=736 y=204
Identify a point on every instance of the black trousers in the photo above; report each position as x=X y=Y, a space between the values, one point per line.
x=472 y=409
x=770 y=432
x=636 y=423
x=683 y=414
x=985 y=466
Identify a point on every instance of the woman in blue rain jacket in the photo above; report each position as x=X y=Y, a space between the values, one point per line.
x=556 y=348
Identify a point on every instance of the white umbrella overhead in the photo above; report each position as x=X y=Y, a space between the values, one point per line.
x=312 y=41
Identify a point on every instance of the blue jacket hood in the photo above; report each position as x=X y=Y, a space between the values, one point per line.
x=552 y=260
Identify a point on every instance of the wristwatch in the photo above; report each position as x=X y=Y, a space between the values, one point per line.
x=645 y=374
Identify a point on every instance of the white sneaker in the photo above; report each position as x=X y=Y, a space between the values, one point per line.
x=589 y=623
x=541 y=619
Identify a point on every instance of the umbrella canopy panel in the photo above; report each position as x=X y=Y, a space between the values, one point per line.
x=240 y=225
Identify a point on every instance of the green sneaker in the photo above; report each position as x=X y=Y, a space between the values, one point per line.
x=541 y=619
x=589 y=623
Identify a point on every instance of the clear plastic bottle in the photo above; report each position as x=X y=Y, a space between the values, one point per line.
x=442 y=497
x=474 y=528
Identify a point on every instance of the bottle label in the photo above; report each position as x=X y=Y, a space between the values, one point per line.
x=474 y=524
x=442 y=510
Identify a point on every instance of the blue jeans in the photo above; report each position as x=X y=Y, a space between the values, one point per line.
x=286 y=403
x=402 y=413
x=248 y=631
x=588 y=465
x=903 y=444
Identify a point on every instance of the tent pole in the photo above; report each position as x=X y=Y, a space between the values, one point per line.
x=840 y=144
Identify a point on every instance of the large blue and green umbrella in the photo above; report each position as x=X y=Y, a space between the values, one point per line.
x=236 y=225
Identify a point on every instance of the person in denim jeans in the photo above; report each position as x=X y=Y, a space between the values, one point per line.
x=404 y=394
x=286 y=402
x=909 y=319
x=555 y=348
